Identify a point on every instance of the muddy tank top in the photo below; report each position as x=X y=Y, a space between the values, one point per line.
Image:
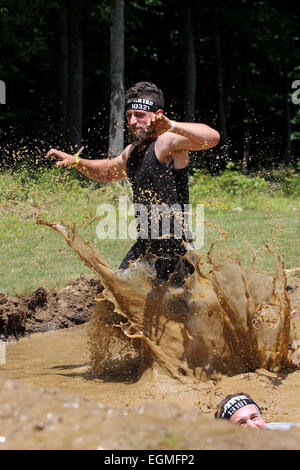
x=161 y=191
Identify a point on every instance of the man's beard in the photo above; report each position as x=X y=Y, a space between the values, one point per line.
x=138 y=137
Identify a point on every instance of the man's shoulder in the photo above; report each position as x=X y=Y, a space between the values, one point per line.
x=126 y=152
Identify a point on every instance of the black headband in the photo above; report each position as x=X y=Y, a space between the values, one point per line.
x=141 y=104
x=235 y=404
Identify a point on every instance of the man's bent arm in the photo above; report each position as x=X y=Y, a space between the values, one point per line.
x=185 y=135
x=197 y=136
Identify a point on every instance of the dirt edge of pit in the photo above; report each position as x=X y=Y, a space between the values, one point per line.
x=48 y=309
x=44 y=310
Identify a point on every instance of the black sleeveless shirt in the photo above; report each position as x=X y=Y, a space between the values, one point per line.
x=155 y=183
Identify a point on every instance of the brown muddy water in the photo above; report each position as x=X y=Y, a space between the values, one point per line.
x=154 y=361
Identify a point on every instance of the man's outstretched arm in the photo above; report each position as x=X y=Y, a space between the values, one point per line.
x=105 y=170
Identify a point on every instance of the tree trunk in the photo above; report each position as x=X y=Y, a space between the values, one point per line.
x=2 y=92
x=287 y=151
x=116 y=123
x=190 y=75
x=75 y=78
x=220 y=82
x=63 y=63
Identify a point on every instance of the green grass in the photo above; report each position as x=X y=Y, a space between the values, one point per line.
x=248 y=232
x=33 y=255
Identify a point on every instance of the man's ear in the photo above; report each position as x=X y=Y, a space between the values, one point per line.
x=159 y=111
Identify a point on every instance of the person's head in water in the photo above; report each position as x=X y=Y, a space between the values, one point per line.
x=141 y=101
x=240 y=409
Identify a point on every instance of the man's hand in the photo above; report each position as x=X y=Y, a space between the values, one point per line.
x=157 y=125
x=65 y=159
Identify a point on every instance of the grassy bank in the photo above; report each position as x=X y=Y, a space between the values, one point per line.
x=251 y=210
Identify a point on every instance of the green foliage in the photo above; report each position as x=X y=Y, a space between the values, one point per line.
x=232 y=186
x=231 y=182
x=60 y=185
x=286 y=181
x=228 y=187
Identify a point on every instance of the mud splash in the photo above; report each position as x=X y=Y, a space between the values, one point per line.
x=225 y=322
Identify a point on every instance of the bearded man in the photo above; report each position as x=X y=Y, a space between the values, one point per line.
x=156 y=164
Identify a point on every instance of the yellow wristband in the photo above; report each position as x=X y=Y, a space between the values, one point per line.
x=76 y=155
x=77 y=159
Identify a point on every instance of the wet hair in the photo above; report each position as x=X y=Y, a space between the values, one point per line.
x=219 y=414
x=146 y=90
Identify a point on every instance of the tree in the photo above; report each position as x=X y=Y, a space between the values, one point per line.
x=75 y=72
x=189 y=66
x=63 y=57
x=220 y=79
x=116 y=127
